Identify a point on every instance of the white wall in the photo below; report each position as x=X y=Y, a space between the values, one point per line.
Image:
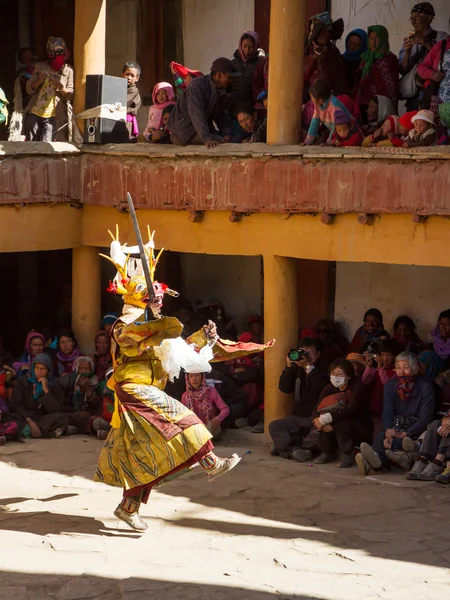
x=419 y=292
x=235 y=280
x=211 y=28
x=121 y=34
x=393 y=14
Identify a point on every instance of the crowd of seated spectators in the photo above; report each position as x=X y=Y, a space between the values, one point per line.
x=349 y=99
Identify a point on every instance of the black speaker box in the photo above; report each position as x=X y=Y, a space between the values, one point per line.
x=105 y=89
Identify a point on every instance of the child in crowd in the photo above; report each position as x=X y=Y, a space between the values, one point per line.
x=325 y=107
x=380 y=137
x=424 y=133
x=260 y=134
x=182 y=76
x=205 y=402
x=108 y=321
x=380 y=369
x=132 y=73
x=162 y=135
x=405 y=125
x=346 y=132
x=162 y=97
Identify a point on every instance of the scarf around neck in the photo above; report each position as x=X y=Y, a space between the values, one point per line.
x=42 y=359
x=255 y=38
x=441 y=346
x=405 y=386
x=370 y=56
x=198 y=400
x=66 y=362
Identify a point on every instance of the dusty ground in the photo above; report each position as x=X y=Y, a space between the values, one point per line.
x=271 y=528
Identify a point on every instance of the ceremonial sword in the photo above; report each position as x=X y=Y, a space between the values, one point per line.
x=142 y=253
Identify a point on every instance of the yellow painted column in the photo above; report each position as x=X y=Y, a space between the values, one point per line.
x=89 y=45
x=280 y=322
x=86 y=286
x=287 y=38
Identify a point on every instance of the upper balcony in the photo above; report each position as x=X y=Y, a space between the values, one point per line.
x=237 y=178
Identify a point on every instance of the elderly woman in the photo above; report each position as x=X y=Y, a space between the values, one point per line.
x=323 y=61
x=370 y=332
x=378 y=72
x=37 y=403
x=416 y=48
x=342 y=415
x=408 y=409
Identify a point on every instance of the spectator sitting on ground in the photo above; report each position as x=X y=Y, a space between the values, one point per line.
x=34 y=345
x=406 y=336
x=102 y=356
x=162 y=135
x=325 y=107
x=424 y=133
x=408 y=409
x=162 y=96
x=38 y=404
x=436 y=360
x=371 y=331
x=132 y=73
x=67 y=353
x=434 y=454
x=247 y=122
x=346 y=132
x=417 y=45
x=51 y=90
x=332 y=346
x=205 y=402
x=380 y=369
x=342 y=415
x=233 y=395
x=82 y=395
x=358 y=362
x=202 y=105
x=108 y=321
x=306 y=375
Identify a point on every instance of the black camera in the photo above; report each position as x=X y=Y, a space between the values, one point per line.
x=296 y=355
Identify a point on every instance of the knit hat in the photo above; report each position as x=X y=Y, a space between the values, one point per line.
x=356 y=358
x=393 y=120
x=425 y=8
x=424 y=115
x=406 y=119
x=341 y=117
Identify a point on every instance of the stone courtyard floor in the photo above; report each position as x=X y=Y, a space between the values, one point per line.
x=270 y=529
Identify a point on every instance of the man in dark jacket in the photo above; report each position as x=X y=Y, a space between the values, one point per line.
x=307 y=377
x=201 y=106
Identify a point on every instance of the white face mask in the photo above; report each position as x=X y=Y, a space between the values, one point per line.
x=338 y=381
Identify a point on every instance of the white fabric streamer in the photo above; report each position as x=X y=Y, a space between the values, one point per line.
x=176 y=354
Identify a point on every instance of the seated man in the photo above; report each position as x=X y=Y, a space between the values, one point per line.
x=306 y=375
x=434 y=453
x=407 y=411
x=201 y=105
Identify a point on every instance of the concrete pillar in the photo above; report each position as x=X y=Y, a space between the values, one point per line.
x=86 y=284
x=89 y=45
x=280 y=322
x=287 y=38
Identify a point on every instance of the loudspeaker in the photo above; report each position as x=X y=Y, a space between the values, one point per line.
x=105 y=89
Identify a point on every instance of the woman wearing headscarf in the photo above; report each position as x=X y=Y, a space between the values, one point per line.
x=417 y=46
x=323 y=61
x=34 y=345
x=67 y=353
x=355 y=46
x=37 y=404
x=378 y=71
x=51 y=90
x=246 y=58
x=378 y=110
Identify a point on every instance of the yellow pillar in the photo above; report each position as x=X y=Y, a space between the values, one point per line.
x=287 y=37
x=89 y=45
x=86 y=285
x=280 y=322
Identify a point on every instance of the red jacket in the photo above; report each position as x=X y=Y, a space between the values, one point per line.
x=355 y=139
x=432 y=61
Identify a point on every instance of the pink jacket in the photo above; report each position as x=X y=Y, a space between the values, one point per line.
x=156 y=111
x=432 y=60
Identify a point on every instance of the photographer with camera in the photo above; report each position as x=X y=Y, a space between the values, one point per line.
x=306 y=375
